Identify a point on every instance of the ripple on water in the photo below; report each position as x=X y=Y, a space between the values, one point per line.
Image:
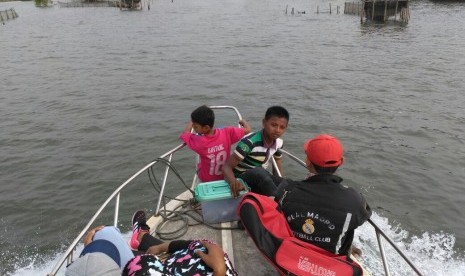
x=87 y=99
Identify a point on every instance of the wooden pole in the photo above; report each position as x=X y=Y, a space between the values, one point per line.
x=385 y=10
x=373 y=11
x=408 y=11
x=362 y=11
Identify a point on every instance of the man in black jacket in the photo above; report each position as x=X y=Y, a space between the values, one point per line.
x=320 y=210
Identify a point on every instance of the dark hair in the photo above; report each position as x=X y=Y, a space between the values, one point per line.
x=276 y=111
x=204 y=116
x=325 y=170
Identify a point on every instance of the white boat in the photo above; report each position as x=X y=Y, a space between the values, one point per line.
x=179 y=217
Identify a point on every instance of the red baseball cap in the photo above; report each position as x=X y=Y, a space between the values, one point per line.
x=324 y=151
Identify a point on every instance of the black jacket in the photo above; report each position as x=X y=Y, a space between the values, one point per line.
x=322 y=211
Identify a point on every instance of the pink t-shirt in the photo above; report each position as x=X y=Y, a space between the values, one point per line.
x=214 y=150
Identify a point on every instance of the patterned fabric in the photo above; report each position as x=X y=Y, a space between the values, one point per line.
x=143 y=265
x=214 y=150
x=183 y=262
x=253 y=152
x=187 y=263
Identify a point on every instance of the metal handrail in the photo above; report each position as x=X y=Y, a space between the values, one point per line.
x=378 y=231
x=116 y=194
x=68 y=255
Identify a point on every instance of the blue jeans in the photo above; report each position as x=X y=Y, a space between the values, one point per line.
x=113 y=235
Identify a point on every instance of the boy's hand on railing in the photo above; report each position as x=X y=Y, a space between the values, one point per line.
x=244 y=124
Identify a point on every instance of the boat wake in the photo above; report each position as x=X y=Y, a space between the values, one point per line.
x=432 y=253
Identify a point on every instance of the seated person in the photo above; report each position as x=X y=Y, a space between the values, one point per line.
x=213 y=145
x=321 y=210
x=193 y=257
x=105 y=250
x=105 y=253
x=254 y=151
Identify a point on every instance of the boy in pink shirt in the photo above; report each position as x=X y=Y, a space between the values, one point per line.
x=213 y=145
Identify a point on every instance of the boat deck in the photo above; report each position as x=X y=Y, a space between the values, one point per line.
x=180 y=218
x=240 y=248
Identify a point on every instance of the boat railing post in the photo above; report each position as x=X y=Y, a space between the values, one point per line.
x=383 y=254
x=275 y=166
x=70 y=258
x=116 y=215
x=380 y=232
x=162 y=190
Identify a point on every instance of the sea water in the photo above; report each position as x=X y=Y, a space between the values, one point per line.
x=90 y=95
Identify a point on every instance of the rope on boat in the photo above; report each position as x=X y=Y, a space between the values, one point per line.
x=153 y=178
x=171 y=216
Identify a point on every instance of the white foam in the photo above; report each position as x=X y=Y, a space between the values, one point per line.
x=432 y=253
x=35 y=270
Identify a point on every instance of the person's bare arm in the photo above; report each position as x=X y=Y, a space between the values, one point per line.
x=90 y=235
x=158 y=249
x=214 y=258
x=235 y=184
x=188 y=127
x=245 y=125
